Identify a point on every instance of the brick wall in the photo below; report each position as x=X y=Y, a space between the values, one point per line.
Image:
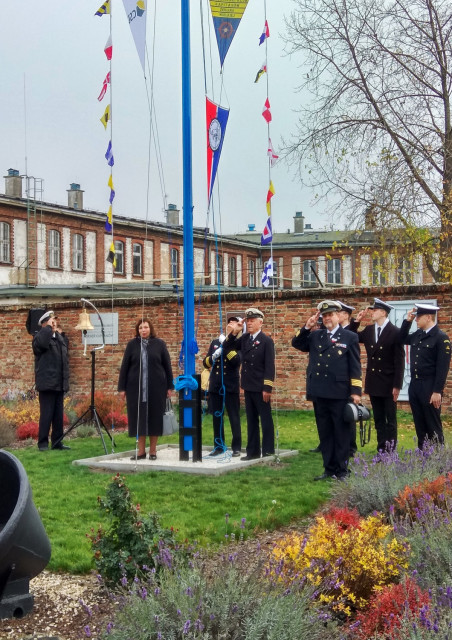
x=284 y=316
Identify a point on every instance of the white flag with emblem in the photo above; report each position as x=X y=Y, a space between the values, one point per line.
x=136 y=11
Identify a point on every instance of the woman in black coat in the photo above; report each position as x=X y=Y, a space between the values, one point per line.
x=145 y=374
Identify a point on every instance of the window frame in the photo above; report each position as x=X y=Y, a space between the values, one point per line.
x=251 y=273
x=78 y=252
x=232 y=271
x=5 y=242
x=136 y=256
x=174 y=263
x=54 y=249
x=333 y=274
x=119 y=252
x=311 y=280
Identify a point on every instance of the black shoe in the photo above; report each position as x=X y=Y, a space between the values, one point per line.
x=324 y=476
x=216 y=452
x=140 y=456
x=152 y=456
x=245 y=458
x=316 y=450
x=43 y=447
x=235 y=454
x=268 y=455
x=61 y=447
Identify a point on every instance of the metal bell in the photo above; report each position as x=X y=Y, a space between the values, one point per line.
x=84 y=323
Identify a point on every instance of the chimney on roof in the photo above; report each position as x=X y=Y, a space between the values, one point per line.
x=75 y=197
x=298 y=222
x=13 y=184
x=172 y=215
x=251 y=228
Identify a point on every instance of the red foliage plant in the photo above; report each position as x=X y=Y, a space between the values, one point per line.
x=28 y=430
x=119 y=420
x=434 y=491
x=105 y=403
x=387 y=607
x=344 y=518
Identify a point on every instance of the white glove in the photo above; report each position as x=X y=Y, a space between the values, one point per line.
x=222 y=338
x=216 y=354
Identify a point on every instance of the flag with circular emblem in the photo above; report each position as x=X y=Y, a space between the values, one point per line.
x=226 y=16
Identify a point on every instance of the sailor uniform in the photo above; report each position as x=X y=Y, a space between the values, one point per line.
x=258 y=375
x=334 y=373
x=385 y=368
x=430 y=362
x=224 y=393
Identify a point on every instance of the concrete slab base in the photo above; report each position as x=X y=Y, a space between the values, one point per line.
x=168 y=460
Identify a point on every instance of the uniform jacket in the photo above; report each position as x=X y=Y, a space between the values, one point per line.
x=231 y=365
x=334 y=369
x=430 y=354
x=51 y=361
x=385 y=360
x=258 y=360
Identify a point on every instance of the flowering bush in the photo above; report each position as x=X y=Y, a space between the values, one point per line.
x=119 y=420
x=28 y=430
x=106 y=403
x=411 y=499
x=346 y=565
x=24 y=412
x=386 y=609
x=344 y=518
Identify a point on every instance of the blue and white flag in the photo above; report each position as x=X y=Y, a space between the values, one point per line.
x=109 y=155
x=267 y=235
x=267 y=273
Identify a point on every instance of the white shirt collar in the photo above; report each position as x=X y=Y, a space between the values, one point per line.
x=256 y=334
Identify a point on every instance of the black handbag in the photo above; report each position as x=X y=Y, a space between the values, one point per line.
x=359 y=413
x=170 y=425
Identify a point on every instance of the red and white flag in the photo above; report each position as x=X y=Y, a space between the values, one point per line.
x=266 y=111
x=109 y=48
x=271 y=154
x=105 y=84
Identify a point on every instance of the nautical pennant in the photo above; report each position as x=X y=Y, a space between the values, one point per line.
x=109 y=221
x=112 y=255
x=136 y=15
x=216 y=121
x=270 y=194
x=226 y=16
x=266 y=111
x=104 y=9
x=105 y=84
x=267 y=235
x=106 y=117
x=261 y=72
x=271 y=154
x=109 y=155
x=108 y=49
x=112 y=191
x=267 y=272
x=265 y=33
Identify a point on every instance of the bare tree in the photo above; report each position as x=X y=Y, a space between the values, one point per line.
x=377 y=127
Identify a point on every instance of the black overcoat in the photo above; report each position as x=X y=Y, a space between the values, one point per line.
x=51 y=361
x=148 y=415
x=258 y=360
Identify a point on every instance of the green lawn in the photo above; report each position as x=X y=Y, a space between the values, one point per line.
x=267 y=496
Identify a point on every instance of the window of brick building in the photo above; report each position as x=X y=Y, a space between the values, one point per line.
x=233 y=272
x=333 y=272
x=137 y=259
x=5 y=242
x=251 y=274
x=174 y=263
x=54 y=249
x=219 y=269
x=78 y=252
x=379 y=271
x=119 y=254
x=309 y=279
x=404 y=271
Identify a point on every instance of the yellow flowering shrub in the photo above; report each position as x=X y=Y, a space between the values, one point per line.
x=23 y=412
x=348 y=567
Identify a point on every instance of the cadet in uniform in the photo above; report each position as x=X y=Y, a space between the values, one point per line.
x=385 y=368
x=224 y=392
x=257 y=379
x=334 y=376
x=345 y=317
x=430 y=361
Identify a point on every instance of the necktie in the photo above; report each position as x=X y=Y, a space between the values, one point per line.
x=378 y=333
x=329 y=334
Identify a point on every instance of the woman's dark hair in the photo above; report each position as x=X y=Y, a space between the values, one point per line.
x=151 y=327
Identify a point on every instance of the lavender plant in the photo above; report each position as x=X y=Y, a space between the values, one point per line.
x=373 y=484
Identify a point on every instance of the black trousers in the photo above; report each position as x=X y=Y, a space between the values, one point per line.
x=256 y=408
x=335 y=435
x=50 y=415
x=232 y=406
x=385 y=419
x=353 y=445
x=427 y=419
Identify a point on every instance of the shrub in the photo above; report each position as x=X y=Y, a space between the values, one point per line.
x=347 y=564
x=106 y=403
x=28 y=430
x=7 y=432
x=386 y=609
x=23 y=412
x=132 y=541
x=344 y=518
x=410 y=500
x=119 y=420
x=86 y=430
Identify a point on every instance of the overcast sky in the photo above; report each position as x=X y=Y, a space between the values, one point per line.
x=55 y=50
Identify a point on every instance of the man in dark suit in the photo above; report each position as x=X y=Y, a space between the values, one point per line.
x=224 y=392
x=384 y=375
x=345 y=317
x=429 y=364
x=334 y=375
x=257 y=379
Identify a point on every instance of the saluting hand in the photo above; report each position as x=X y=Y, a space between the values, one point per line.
x=410 y=315
x=360 y=315
x=312 y=321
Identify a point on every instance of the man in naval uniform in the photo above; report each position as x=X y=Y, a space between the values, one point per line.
x=257 y=380
x=334 y=377
x=385 y=368
x=429 y=363
x=224 y=392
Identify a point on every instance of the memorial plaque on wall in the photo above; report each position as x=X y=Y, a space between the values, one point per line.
x=110 y=321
